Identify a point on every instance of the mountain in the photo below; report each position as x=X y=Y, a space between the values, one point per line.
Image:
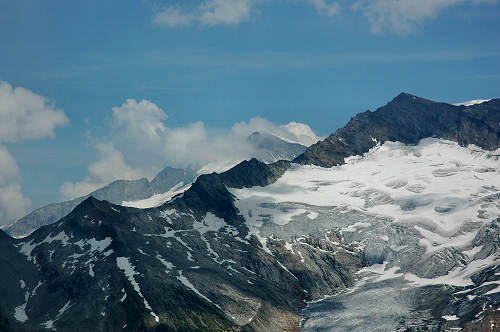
x=141 y=193
x=404 y=231
x=116 y=192
x=272 y=148
x=408 y=119
x=189 y=265
x=265 y=147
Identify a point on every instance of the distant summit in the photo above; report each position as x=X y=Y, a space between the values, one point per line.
x=116 y=192
x=274 y=148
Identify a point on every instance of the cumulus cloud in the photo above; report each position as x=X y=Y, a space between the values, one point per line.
x=13 y=204
x=9 y=171
x=400 y=16
x=292 y=132
x=141 y=143
x=173 y=16
x=109 y=166
x=24 y=115
x=403 y=16
x=208 y=13
x=143 y=118
x=325 y=8
x=302 y=133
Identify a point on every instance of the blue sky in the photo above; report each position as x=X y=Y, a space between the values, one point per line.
x=220 y=62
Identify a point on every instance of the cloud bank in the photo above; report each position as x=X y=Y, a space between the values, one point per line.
x=207 y=13
x=403 y=16
x=399 y=16
x=24 y=115
x=141 y=143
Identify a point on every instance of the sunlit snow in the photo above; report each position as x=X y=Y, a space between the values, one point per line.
x=158 y=199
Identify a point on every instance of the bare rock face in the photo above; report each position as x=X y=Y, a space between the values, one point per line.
x=408 y=119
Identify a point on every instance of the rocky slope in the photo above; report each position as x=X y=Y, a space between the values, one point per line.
x=410 y=228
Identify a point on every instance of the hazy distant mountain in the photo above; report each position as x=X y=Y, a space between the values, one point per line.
x=406 y=225
x=116 y=192
x=272 y=148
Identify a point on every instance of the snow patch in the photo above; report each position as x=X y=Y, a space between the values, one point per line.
x=128 y=269
x=189 y=285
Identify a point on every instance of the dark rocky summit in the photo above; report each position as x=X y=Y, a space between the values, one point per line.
x=408 y=119
x=193 y=264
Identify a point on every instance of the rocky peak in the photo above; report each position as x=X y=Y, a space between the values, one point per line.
x=408 y=119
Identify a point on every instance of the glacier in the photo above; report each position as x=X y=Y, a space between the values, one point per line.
x=419 y=213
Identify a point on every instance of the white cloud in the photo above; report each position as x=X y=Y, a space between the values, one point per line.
x=173 y=17
x=110 y=166
x=292 y=132
x=400 y=16
x=13 y=204
x=227 y=12
x=325 y=8
x=24 y=115
x=143 y=118
x=140 y=144
x=403 y=16
x=208 y=13
x=9 y=171
x=302 y=132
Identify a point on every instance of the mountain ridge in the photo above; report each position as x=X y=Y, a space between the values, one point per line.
x=115 y=192
x=270 y=147
x=408 y=119
x=193 y=263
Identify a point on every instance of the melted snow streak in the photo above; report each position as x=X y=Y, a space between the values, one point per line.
x=415 y=210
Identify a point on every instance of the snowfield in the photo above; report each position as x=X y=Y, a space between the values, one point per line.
x=158 y=199
x=437 y=187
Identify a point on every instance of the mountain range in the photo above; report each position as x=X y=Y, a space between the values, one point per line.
x=143 y=193
x=392 y=222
